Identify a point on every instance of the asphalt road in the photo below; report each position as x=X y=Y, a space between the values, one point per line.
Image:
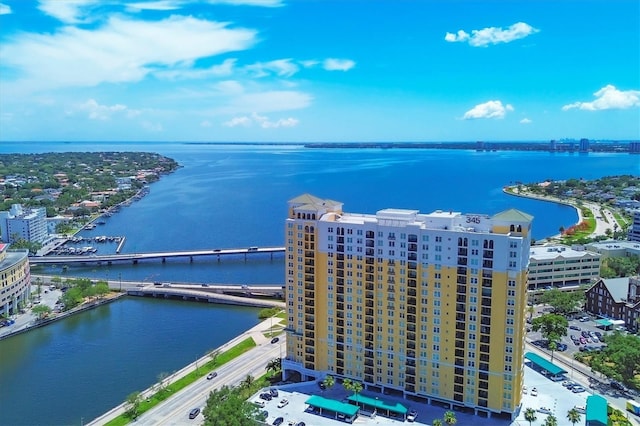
x=175 y=411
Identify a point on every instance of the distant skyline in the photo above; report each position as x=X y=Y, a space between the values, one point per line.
x=319 y=70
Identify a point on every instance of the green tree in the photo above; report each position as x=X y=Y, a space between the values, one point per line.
x=274 y=365
x=227 y=406
x=450 y=418
x=620 y=360
x=41 y=311
x=437 y=422
x=530 y=415
x=552 y=327
x=163 y=383
x=132 y=404
x=329 y=381
x=352 y=385
x=573 y=416
x=563 y=302
x=213 y=354
x=247 y=382
x=101 y=289
x=72 y=298
x=551 y=420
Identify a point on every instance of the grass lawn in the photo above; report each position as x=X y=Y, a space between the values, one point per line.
x=178 y=385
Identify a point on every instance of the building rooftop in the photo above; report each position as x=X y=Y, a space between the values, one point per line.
x=557 y=251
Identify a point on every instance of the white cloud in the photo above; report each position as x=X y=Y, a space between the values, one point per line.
x=492 y=35
x=609 y=98
x=205 y=123
x=186 y=72
x=490 y=109
x=280 y=67
x=122 y=50
x=96 y=111
x=525 y=121
x=263 y=3
x=5 y=9
x=238 y=121
x=266 y=101
x=459 y=36
x=155 y=5
x=261 y=121
x=67 y=11
x=309 y=63
x=333 y=64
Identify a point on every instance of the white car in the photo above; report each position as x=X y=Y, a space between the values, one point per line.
x=259 y=403
x=411 y=417
x=283 y=402
x=534 y=392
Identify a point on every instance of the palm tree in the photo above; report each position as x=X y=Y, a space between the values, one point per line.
x=450 y=418
x=214 y=355
x=551 y=420
x=247 y=382
x=329 y=382
x=437 y=422
x=274 y=365
x=530 y=415
x=573 y=416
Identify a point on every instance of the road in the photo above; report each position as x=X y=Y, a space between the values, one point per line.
x=175 y=410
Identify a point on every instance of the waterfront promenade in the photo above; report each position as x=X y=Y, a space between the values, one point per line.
x=257 y=333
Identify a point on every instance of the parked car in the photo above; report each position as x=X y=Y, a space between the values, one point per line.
x=194 y=413
x=574 y=327
x=273 y=392
x=583 y=340
x=259 y=403
x=412 y=416
x=278 y=421
x=266 y=396
x=283 y=402
x=577 y=389
x=544 y=410
x=212 y=375
x=534 y=392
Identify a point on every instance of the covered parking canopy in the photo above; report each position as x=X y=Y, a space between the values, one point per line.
x=338 y=407
x=379 y=405
x=604 y=323
x=544 y=364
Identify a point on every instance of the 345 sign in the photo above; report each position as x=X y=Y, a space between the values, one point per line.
x=473 y=219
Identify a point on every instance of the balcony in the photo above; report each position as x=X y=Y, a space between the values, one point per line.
x=310 y=311
x=369 y=328
x=412 y=283
x=309 y=342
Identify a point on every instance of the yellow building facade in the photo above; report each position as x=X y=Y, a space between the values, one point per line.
x=427 y=306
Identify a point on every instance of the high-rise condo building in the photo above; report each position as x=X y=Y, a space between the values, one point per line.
x=29 y=224
x=427 y=306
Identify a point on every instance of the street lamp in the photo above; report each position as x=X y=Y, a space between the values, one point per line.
x=120 y=279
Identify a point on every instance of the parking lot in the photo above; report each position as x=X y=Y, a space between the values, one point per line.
x=549 y=397
x=576 y=329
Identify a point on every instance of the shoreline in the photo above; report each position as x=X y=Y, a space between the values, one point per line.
x=513 y=190
x=33 y=324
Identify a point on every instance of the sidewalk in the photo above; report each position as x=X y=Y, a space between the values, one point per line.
x=256 y=332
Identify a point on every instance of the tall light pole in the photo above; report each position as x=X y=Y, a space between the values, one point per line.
x=120 y=279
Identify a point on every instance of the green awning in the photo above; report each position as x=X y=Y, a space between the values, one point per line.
x=543 y=363
x=378 y=404
x=596 y=410
x=604 y=322
x=332 y=405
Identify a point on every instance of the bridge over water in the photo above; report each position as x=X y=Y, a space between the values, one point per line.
x=257 y=296
x=163 y=256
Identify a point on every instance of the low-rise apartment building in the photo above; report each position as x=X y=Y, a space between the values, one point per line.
x=616 y=299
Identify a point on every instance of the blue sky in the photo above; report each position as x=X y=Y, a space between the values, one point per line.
x=319 y=70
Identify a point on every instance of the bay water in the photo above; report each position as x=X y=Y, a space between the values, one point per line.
x=234 y=196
